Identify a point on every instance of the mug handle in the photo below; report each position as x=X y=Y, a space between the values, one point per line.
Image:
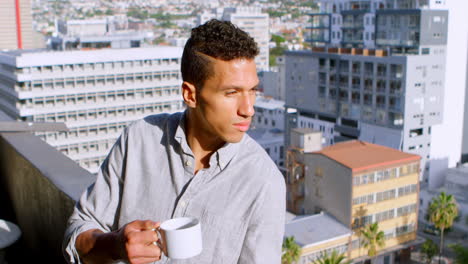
x=160 y=242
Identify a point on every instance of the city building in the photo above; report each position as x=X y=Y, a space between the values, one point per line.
x=252 y=21
x=95 y=93
x=376 y=73
x=16 y=26
x=356 y=183
x=447 y=136
x=267 y=127
x=456 y=184
x=269 y=113
x=109 y=32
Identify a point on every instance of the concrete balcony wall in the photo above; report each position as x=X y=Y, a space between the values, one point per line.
x=39 y=187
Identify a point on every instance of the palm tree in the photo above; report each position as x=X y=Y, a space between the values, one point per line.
x=372 y=238
x=291 y=251
x=442 y=211
x=334 y=258
x=461 y=253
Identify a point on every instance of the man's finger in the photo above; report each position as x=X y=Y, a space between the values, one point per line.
x=145 y=237
x=144 y=251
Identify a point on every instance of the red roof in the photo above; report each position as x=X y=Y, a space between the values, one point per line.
x=359 y=155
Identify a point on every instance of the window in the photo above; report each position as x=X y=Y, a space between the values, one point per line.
x=425 y=51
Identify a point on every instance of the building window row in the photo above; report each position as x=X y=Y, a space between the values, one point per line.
x=390 y=233
x=109 y=112
x=383 y=216
x=91 y=163
x=98 y=66
x=100 y=97
x=406 y=210
x=90 y=146
x=386 y=174
x=403 y=230
x=369 y=69
x=385 y=195
x=86 y=131
x=98 y=80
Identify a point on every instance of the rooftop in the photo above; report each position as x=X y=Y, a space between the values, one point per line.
x=315 y=229
x=263 y=135
x=38 y=57
x=359 y=155
x=268 y=103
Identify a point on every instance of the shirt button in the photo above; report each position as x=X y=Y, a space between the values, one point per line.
x=188 y=163
x=182 y=203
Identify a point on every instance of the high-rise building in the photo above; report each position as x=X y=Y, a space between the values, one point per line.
x=447 y=137
x=357 y=183
x=252 y=21
x=376 y=73
x=96 y=93
x=267 y=127
x=16 y=28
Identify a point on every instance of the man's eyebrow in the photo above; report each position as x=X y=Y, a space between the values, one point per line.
x=238 y=87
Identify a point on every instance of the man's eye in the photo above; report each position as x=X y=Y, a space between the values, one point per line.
x=231 y=92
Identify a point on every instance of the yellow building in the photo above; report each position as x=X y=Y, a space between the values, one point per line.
x=357 y=183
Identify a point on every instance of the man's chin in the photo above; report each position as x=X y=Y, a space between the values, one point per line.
x=236 y=138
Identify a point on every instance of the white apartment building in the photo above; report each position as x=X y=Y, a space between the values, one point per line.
x=267 y=127
x=269 y=113
x=95 y=93
x=456 y=184
x=252 y=21
x=385 y=88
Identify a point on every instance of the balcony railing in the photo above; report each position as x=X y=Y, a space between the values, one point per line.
x=40 y=186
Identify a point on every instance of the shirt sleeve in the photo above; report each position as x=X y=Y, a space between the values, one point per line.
x=98 y=205
x=263 y=241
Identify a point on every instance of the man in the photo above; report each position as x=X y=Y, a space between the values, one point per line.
x=199 y=163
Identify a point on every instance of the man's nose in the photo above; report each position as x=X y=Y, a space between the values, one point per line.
x=246 y=106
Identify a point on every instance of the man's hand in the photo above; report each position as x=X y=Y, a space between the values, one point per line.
x=134 y=242
x=139 y=242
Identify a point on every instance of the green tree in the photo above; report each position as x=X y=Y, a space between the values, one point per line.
x=372 y=238
x=461 y=254
x=442 y=211
x=429 y=249
x=291 y=251
x=334 y=258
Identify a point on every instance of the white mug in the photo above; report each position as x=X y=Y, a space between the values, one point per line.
x=181 y=238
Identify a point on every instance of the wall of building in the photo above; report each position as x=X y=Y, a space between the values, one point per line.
x=447 y=136
x=96 y=93
x=328 y=187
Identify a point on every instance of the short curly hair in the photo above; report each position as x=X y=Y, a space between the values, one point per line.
x=214 y=39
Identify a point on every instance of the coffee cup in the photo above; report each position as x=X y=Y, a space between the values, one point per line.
x=181 y=238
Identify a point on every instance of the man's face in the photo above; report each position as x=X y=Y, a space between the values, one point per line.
x=225 y=103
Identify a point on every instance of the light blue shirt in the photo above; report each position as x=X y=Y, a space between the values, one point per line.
x=149 y=174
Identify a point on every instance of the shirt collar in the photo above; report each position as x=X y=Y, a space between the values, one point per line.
x=221 y=157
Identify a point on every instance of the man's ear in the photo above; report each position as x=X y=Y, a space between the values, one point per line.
x=189 y=93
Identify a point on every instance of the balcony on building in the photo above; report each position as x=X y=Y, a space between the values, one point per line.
x=39 y=187
x=319 y=28
x=398 y=29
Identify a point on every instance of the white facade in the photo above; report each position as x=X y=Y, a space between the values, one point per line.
x=267 y=127
x=269 y=113
x=272 y=140
x=95 y=93
x=456 y=184
x=447 y=136
x=252 y=21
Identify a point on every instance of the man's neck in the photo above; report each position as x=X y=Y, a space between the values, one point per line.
x=200 y=142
